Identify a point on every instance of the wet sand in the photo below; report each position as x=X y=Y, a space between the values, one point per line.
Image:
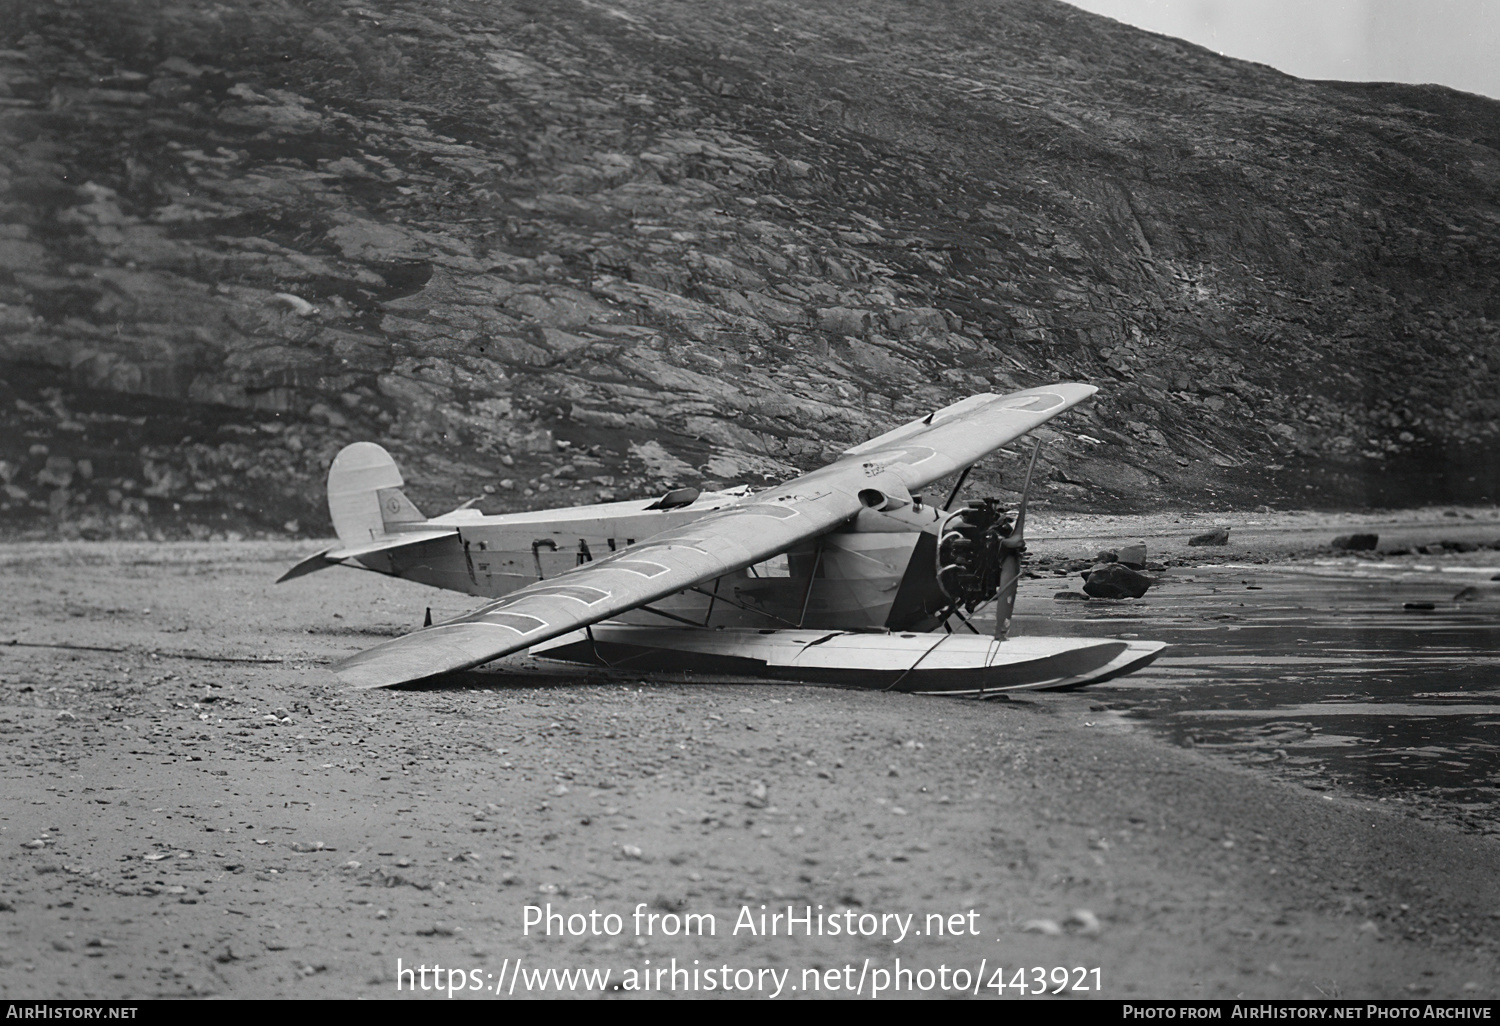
x=211 y=822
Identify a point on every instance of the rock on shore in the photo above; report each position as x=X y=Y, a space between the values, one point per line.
x=1115 y=581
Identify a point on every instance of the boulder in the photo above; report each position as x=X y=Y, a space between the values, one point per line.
x=1070 y=596
x=844 y=321
x=1133 y=556
x=1115 y=581
x=916 y=320
x=58 y=471
x=1218 y=536
x=1356 y=542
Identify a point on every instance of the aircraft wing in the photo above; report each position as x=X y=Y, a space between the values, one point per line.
x=719 y=543
x=749 y=531
x=956 y=436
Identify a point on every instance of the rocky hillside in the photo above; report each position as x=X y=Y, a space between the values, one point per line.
x=553 y=251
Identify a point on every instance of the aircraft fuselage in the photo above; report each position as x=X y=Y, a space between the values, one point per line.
x=848 y=579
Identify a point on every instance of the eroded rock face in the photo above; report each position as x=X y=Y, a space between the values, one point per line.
x=484 y=232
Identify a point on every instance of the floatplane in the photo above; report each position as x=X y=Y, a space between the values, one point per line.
x=843 y=576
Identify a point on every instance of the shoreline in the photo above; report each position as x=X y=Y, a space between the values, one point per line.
x=1300 y=531
x=450 y=809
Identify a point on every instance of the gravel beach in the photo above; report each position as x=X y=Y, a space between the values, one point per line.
x=193 y=805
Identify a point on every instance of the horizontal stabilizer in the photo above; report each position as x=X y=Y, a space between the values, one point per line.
x=317 y=561
x=393 y=541
x=333 y=557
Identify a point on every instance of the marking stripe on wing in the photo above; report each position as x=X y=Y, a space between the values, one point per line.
x=665 y=548
x=518 y=622
x=641 y=567
x=766 y=509
x=578 y=592
x=1033 y=403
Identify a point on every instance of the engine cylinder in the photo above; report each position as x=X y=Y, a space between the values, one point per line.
x=969 y=552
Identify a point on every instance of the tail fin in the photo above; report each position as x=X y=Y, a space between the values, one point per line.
x=364 y=494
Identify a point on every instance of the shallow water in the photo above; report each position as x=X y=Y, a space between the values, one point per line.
x=1319 y=672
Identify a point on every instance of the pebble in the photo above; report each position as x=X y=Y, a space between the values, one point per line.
x=297 y=305
x=1088 y=924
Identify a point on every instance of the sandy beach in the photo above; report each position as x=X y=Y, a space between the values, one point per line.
x=193 y=805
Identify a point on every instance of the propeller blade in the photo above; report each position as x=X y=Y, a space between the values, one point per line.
x=1005 y=598
x=1010 y=560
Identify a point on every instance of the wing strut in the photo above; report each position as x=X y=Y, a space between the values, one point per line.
x=593 y=647
x=892 y=685
x=811 y=577
x=958 y=486
x=1010 y=559
x=962 y=619
x=741 y=605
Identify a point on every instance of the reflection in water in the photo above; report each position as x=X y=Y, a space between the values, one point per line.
x=1321 y=672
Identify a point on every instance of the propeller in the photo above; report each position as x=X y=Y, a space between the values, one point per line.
x=1010 y=559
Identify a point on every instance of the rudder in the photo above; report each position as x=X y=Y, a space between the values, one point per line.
x=364 y=494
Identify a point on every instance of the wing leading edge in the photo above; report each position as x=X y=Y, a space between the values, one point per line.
x=753 y=529
x=956 y=436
